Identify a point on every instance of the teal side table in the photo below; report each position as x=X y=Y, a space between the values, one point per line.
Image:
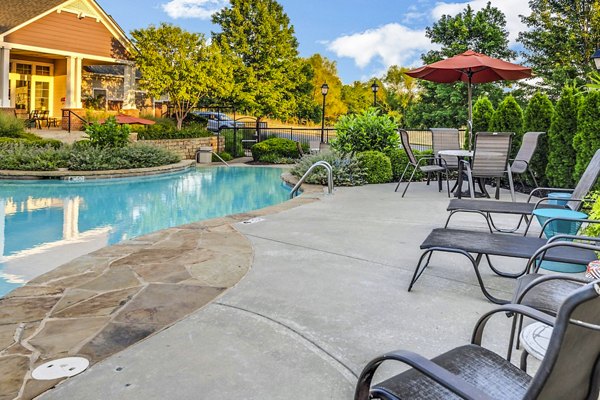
x=560 y=228
x=559 y=198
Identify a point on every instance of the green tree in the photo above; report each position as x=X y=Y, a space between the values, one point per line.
x=258 y=37
x=508 y=117
x=483 y=111
x=561 y=37
x=325 y=71
x=402 y=90
x=369 y=130
x=181 y=65
x=587 y=138
x=561 y=154
x=538 y=118
x=483 y=31
x=357 y=97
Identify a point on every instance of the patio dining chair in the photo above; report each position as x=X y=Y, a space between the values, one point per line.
x=445 y=139
x=520 y=164
x=490 y=160
x=570 y=369
x=438 y=165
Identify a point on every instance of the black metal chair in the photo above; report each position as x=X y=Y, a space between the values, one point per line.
x=438 y=166
x=570 y=369
x=520 y=164
x=490 y=161
x=524 y=209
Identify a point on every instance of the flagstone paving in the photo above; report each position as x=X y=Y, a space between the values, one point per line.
x=101 y=303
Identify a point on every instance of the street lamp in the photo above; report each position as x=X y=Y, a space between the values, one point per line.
x=374 y=88
x=596 y=59
x=324 y=90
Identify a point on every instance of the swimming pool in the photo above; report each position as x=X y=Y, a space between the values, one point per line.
x=47 y=223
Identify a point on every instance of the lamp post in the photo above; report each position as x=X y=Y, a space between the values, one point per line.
x=374 y=88
x=324 y=90
x=596 y=59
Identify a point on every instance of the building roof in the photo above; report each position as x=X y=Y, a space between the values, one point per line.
x=15 y=12
x=114 y=70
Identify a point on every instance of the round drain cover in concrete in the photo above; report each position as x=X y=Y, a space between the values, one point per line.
x=60 y=368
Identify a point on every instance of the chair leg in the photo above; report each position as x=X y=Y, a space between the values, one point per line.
x=523 y=365
x=511 y=184
x=497 y=189
x=448 y=182
x=533 y=177
x=471 y=183
x=420 y=269
x=401 y=177
x=409 y=181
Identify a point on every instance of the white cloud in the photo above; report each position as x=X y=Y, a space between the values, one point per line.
x=511 y=9
x=392 y=44
x=202 y=9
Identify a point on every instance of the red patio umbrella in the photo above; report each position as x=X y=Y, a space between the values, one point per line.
x=130 y=120
x=471 y=67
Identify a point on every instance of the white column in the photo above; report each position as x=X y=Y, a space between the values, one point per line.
x=4 y=82
x=129 y=88
x=78 y=72
x=71 y=71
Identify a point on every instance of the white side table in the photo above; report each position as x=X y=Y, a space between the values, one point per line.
x=534 y=338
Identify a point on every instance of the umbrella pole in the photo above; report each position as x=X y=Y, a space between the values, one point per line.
x=470 y=117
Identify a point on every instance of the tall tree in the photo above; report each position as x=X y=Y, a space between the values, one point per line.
x=508 y=117
x=538 y=118
x=562 y=36
x=483 y=31
x=357 y=97
x=257 y=35
x=402 y=90
x=587 y=138
x=325 y=71
x=181 y=65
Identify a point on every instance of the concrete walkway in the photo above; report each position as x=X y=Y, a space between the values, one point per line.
x=326 y=293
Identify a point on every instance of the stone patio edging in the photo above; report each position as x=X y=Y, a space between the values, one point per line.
x=98 y=305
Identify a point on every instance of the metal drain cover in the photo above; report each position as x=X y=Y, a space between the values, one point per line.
x=253 y=220
x=60 y=368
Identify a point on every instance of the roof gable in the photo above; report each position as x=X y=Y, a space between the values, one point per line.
x=16 y=12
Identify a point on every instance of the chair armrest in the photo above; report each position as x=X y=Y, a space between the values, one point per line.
x=546 y=278
x=582 y=220
x=574 y=237
x=423 y=365
x=546 y=199
x=431 y=158
x=537 y=189
x=512 y=309
x=541 y=252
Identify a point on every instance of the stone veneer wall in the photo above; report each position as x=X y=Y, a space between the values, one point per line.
x=186 y=148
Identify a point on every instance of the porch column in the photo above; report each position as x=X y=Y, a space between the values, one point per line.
x=4 y=83
x=73 y=98
x=129 y=88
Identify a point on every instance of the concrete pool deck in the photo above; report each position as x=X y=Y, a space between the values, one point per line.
x=325 y=294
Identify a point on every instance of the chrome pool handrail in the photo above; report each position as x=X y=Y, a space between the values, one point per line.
x=323 y=164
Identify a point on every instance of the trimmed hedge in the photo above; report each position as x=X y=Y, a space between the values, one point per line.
x=587 y=139
x=483 y=112
x=377 y=165
x=508 y=117
x=538 y=118
x=274 y=148
x=23 y=156
x=399 y=159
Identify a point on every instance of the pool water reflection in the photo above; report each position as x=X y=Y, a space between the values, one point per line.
x=47 y=223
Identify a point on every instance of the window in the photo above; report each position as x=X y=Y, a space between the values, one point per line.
x=23 y=69
x=42 y=70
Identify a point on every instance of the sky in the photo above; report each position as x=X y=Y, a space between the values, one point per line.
x=363 y=37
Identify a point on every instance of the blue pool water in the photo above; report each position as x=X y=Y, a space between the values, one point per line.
x=47 y=223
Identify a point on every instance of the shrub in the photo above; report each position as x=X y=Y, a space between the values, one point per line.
x=233 y=141
x=11 y=126
x=270 y=149
x=377 y=165
x=508 y=117
x=91 y=158
x=399 y=159
x=36 y=142
x=366 y=131
x=587 y=138
x=21 y=155
x=108 y=134
x=347 y=171
x=483 y=112
x=593 y=230
x=224 y=155
x=561 y=154
x=538 y=118
x=166 y=129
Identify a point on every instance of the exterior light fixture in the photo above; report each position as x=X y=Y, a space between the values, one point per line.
x=324 y=91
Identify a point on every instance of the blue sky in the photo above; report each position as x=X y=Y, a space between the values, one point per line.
x=364 y=37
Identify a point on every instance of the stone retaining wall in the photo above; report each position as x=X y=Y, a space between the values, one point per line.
x=186 y=148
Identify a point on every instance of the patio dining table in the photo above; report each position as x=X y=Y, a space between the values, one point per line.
x=461 y=155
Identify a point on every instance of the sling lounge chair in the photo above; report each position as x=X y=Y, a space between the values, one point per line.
x=524 y=209
x=475 y=245
x=570 y=369
x=419 y=164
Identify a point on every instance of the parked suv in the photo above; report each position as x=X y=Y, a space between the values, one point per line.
x=217 y=121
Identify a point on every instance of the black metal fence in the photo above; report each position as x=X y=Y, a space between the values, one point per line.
x=244 y=135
